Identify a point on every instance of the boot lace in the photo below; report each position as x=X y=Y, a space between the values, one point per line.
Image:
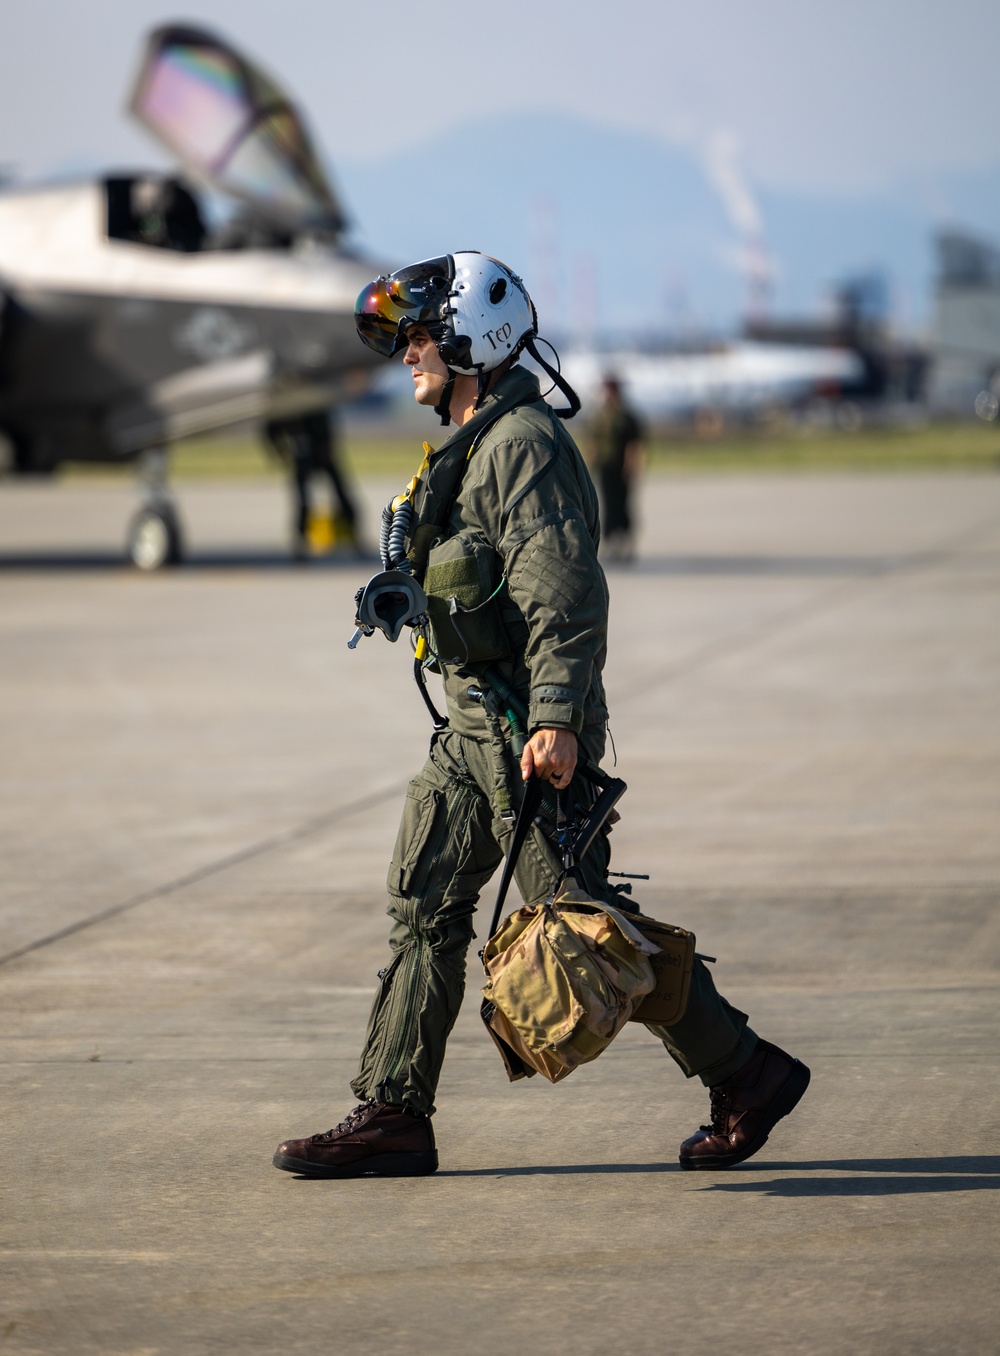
x=349 y=1123
x=718 y=1104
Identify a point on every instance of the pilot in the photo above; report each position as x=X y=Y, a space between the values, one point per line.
x=506 y=508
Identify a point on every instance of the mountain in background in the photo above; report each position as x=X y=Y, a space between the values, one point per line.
x=617 y=232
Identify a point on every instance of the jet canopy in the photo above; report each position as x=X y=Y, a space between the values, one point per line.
x=233 y=127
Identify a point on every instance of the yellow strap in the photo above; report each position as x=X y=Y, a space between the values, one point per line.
x=410 y=490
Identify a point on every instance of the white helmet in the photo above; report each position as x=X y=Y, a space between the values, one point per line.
x=475 y=309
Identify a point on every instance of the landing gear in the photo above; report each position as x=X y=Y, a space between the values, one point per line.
x=154 y=534
x=154 y=538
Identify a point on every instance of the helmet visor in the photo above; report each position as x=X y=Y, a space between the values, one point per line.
x=417 y=295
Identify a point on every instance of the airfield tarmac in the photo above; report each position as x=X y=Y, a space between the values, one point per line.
x=200 y=791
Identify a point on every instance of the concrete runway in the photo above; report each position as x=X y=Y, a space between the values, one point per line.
x=200 y=791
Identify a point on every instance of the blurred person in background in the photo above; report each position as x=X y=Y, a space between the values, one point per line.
x=616 y=458
x=309 y=446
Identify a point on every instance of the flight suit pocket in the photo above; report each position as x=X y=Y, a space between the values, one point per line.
x=463 y=585
x=425 y=809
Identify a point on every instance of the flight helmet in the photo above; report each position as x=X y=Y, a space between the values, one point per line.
x=476 y=310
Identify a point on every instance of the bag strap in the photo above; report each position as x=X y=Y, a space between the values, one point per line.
x=525 y=817
x=574 y=850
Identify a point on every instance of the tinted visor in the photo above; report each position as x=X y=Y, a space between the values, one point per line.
x=417 y=295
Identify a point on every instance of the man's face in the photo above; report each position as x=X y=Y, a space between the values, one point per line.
x=427 y=366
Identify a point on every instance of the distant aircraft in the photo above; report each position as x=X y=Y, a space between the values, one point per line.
x=735 y=378
x=127 y=322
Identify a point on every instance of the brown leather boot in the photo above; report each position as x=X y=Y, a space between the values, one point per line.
x=376 y=1140
x=746 y=1108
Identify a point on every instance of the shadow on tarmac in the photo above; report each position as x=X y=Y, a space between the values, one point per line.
x=891 y=1176
x=982 y=1164
x=559 y=1169
x=56 y=562
x=807 y=567
x=861 y=1186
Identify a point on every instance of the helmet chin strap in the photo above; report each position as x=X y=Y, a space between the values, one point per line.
x=443 y=408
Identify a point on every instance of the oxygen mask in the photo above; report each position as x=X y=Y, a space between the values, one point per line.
x=388 y=602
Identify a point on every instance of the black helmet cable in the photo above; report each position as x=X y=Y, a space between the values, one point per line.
x=557 y=378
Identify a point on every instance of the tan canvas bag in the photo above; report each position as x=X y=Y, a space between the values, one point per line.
x=564 y=977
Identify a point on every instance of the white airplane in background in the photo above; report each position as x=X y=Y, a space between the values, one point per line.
x=740 y=377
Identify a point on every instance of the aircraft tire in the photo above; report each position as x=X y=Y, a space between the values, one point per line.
x=154 y=539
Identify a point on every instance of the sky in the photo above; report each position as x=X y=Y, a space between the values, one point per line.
x=674 y=142
x=816 y=98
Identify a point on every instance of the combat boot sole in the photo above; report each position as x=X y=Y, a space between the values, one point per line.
x=418 y=1164
x=786 y=1099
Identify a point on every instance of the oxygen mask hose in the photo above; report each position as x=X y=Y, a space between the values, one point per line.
x=397 y=519
x=388 y=602
x=399 y=529
x=385 y=528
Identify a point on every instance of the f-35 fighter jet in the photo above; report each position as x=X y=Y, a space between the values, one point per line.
x=127 y=321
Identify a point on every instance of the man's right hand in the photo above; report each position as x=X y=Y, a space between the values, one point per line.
x=550 y=754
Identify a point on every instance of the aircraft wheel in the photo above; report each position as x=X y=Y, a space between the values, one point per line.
x=154 y=539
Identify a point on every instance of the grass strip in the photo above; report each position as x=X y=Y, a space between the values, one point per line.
x=931 y=447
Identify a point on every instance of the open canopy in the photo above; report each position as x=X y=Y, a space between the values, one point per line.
x=232 y=126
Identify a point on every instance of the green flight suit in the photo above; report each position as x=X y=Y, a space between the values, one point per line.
x=506 y=525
